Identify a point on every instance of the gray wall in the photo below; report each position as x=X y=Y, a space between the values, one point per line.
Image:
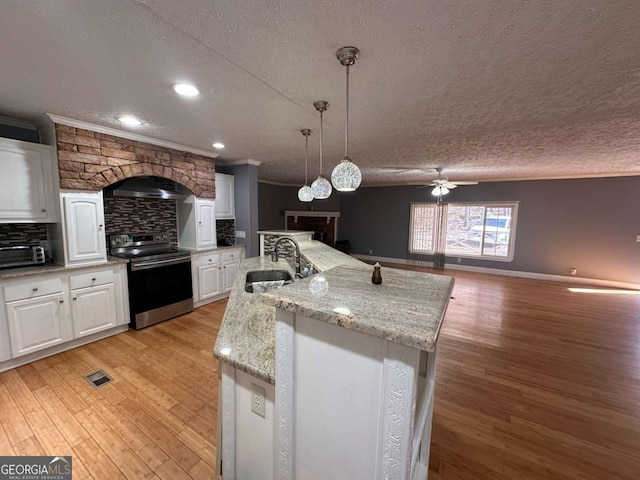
x=589 y=224
x=246 y=203
x=274 y=200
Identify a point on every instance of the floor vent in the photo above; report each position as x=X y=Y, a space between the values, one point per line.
x=97 y=379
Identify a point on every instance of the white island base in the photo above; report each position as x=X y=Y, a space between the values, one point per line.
x=346 y=405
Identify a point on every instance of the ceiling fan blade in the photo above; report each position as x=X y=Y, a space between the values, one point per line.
x=450 y=185
x=464 y=183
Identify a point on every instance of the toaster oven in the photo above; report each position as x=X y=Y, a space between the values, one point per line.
x=21 y=256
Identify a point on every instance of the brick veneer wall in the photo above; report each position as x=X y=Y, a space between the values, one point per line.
x=91 y=161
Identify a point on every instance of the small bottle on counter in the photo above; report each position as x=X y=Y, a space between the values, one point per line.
x=377 y=275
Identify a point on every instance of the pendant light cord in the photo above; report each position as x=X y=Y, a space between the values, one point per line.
x=321 y=142
x=346 y=122
x=306 y=158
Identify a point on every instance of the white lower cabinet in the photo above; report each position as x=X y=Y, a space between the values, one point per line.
x=45 y=311
x=213 y=274
x=93 y=309
x=229 y=274
x=208 y=281
x=37 y=323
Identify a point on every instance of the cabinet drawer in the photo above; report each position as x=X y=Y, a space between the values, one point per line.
x=208 y=259
x=32 y=288
x=233 y=255
x=83 y=280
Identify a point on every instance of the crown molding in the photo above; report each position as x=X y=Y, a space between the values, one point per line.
x=129 y=135
x=243 y=161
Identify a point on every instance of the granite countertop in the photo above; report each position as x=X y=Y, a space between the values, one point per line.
x=407 y=308
x=225 y=247
x=285 y=233
x=43 y=269
x=247 y=335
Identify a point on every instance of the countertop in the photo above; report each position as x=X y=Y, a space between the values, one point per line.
x=400 y=308
x=407 y=308
x=285 y=233
x=43 y=269
x=225 y=247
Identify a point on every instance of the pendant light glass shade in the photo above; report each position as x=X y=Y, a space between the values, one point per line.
x=305 y=194
x=321 y=187
x=346 y=176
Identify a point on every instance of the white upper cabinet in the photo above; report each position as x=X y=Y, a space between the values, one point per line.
x=206 y=223
x=84 y=227
x=26 y=193
x=225 y=204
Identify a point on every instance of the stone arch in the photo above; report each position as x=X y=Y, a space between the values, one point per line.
x=92 y=161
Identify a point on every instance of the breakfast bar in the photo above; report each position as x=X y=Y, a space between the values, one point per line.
x=329 y=376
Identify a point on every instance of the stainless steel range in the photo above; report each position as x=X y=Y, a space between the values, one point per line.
x=159 y=277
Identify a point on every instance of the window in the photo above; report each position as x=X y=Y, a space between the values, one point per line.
x=484 y=230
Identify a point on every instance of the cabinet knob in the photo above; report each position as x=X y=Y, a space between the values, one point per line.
x=43 y=210
x=61 y=300
x=75 y=298
x=93 y=279
x=35 y=289
x=100 y=227
x=209 y=259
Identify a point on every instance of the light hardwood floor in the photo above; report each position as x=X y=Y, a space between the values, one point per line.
x=533 y=382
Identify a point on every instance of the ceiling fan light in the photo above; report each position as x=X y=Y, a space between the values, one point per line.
x=321 y=188
x=346 y=176
x=305 y=194
x=439 y=190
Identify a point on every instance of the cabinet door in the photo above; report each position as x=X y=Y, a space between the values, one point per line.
x=84 y=226
x=24 y=193
x=93 y=309
x=36 y=323
x=209 y=281
x=229 y=273
x=206 y=223
x=225 y=204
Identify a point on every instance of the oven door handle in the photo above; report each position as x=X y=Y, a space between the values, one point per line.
x=158 y=263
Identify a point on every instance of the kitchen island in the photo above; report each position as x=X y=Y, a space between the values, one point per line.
x=331 y=376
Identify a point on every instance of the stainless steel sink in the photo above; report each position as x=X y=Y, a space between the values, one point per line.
x=265 y=280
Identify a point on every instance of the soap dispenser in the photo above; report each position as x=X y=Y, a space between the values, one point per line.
x=377 y=275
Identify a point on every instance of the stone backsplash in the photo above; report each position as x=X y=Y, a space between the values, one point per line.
x=32 y=234
x=226 y=232
x=140 y=215
x=91 y=161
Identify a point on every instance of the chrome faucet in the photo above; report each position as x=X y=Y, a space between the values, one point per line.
x=296 y=253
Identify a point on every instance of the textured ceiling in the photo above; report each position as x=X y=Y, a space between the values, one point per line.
x=486 y=90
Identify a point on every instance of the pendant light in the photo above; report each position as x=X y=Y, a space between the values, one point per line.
x=305 y=194
x=321 y=187
x=346 y=176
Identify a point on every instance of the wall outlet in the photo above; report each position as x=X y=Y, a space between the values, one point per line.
x=459 y=260
x=573 y=271
x=257 y=400
x=637 y=238
x=241 y=234
x=370 y=251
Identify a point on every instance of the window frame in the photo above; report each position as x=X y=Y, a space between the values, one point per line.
x=493 y=204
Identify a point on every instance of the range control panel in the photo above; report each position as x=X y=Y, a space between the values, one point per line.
x=138 y=239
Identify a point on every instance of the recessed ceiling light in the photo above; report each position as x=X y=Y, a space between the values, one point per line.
x=218 y=145
x=186 y=90
x=130 y=120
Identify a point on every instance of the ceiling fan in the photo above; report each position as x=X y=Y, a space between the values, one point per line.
x=442 y=185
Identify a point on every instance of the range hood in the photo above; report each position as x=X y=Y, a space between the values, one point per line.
x=144 y=187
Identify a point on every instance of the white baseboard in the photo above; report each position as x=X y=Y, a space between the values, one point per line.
x=508 y=273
